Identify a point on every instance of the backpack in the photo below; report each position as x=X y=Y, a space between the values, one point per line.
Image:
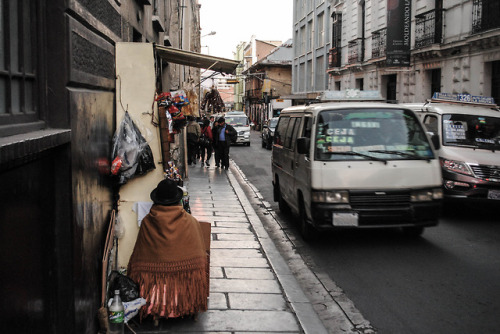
x=192 y=138
x=204 y=140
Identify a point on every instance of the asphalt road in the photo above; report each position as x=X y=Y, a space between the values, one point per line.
x=447 y=281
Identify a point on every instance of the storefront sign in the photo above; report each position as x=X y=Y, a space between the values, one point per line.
x=398 y=32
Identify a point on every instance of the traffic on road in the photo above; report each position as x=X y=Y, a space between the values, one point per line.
x=445 y=281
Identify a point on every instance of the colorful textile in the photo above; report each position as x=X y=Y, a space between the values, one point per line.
x=170 y=263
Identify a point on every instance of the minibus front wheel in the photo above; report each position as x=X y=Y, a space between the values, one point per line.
x=307 y=231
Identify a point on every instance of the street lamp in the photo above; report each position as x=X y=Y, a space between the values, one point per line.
x=209 y=34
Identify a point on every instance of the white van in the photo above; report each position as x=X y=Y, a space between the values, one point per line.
x=356 y=165
x=469 y=131
x=241 y=124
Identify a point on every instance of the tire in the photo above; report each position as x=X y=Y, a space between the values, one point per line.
x=307 y=231
x=282 y=205
x=269 y=145
x=263 y=144
x=413 y=231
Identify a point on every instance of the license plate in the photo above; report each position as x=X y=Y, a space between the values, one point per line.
x=494 y=194
x=345 y=219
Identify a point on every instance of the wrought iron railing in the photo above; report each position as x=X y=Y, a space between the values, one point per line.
x=428 y=28
x=379 y=43
x=334 y=57
x=485 y=15
x=354 y=53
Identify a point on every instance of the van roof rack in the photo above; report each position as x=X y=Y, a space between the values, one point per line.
x=350 y=95
x=477 y=100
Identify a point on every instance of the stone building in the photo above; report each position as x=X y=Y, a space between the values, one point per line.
x=266 y=80
x=455 y=48
x=57 y=119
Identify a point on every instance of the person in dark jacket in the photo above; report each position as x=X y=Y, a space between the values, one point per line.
x=206 y=144
x=223 y=138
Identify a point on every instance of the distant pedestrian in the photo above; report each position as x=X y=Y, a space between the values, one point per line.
x=206 y=140
x=225 y=135
x=193 y=132
x=215 y=128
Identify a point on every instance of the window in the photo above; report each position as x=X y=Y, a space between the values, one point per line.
x=289 y=132
x=431 y=123
x=18 y=63
x=320 y=36
x=279 y=136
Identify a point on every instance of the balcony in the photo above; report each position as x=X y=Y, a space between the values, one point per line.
x=355 y=53
x=428 y=28
x=485 y=15
x=334 y=57
x=379 y=43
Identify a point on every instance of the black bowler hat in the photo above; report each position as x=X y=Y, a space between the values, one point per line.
x=167 y=193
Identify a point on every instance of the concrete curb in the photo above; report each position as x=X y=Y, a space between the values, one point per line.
x=307 y=316
x=326 y=300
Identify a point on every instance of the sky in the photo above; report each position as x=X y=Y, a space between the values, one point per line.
x=235 y=21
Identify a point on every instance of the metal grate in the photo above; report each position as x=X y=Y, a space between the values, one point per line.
x=379 y=199
x=379 y=41
x=428 y=28
x=485 y=15
x=487 y=172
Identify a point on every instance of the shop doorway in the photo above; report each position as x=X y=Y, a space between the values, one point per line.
x=390 y=83
x=435 y=81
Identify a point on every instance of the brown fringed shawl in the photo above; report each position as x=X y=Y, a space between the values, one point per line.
x=169 y=262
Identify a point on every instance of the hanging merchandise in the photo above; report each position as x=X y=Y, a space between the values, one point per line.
x=213 y=102
x=173 y=173
x=131 y=154
x=178 y=120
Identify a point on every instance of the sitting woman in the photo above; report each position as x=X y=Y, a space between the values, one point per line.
x=169 y=260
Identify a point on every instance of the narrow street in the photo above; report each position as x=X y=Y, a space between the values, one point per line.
x=447 y=281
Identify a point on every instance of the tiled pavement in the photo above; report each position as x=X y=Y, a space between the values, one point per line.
x=251 y=287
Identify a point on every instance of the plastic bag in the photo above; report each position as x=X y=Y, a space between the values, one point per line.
x=131 y=153
x=131 y=308
x=129 y=290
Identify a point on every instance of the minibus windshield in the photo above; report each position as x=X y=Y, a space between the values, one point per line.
x=384 y=134
x=472 y=131
x=237 y=120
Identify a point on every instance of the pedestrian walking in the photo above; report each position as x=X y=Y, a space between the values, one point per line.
x=206 y=140
x=193 y=132
x=217 y=158
x=225 y=135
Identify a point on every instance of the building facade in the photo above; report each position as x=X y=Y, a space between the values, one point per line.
x=454 y=48
x=445 y=56
x=311 y=43
x=57 y=120
x=268 y=79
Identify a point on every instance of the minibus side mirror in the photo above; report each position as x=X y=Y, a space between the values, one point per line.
x=435 y=141
x=303 y=145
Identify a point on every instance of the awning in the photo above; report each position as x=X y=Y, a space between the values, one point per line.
x=194 y=59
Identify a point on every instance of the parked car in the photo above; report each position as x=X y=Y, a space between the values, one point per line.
x=241 y=124
x=268 y=132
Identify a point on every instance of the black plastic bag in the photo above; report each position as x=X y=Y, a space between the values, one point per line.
x=129 y=290
x=131 y=152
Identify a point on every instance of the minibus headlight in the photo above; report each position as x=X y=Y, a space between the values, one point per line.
x=330 y=196
x=455 y=166
x=426 y=195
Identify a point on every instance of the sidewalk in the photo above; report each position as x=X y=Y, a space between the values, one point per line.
x=251 y=287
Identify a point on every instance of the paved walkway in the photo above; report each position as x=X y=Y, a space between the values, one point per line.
x=252 y=290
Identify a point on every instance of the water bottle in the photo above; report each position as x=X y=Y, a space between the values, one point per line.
x=116 y=315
